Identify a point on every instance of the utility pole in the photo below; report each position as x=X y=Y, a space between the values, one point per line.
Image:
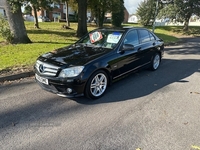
x=154 y=22
x=156 y=11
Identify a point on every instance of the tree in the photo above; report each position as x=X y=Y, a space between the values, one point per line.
x=118 y=16
x=16 y=21
x=27 y=9
x=38 y=5
x=147 y=11
x=82 y=18
x=72 y=4
x=185 y=9
x=67 y=13
x=169 y=11
x=181 y=11
x=36 y=24
x=100 y=7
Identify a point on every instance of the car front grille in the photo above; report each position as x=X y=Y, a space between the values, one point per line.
x=46 y=69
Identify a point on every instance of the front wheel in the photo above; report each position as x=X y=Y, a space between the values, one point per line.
x=96 y=85
x=155 y=62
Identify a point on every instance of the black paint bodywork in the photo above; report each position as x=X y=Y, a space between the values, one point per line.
x=115 y=62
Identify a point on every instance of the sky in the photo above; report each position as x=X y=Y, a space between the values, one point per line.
x=131 y=5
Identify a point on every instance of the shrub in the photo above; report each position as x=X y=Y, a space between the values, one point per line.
x=5 y=30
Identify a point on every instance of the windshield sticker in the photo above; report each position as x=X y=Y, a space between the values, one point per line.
x=114 y=37
x=96 y=36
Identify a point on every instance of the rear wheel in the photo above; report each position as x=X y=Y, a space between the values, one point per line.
x=96 y=85
x=155 y=62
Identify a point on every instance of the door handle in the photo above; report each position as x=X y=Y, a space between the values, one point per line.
x=139 y=49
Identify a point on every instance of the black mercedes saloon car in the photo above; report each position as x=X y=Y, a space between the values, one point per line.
x=91 y=64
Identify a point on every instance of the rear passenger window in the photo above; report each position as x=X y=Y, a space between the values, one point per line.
x=152 y=38
x=144 y=36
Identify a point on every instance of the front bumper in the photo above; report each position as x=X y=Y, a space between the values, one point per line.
x=63 y=87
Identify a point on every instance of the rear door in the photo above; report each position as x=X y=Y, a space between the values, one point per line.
x=147 y=42
x=130 y=60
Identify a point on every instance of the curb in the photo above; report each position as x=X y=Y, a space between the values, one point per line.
x=17 y=76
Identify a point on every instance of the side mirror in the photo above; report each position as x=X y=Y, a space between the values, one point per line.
x=127 y=47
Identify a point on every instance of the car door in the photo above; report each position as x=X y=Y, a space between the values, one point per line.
x=147 y=40
x=130 y=60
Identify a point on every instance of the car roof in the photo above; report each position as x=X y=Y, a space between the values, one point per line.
x=131 y=27
x=125 y=28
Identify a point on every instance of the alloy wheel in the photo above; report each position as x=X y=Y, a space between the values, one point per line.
x=98 y=84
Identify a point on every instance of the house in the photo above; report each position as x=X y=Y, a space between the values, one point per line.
x=126 y=16
x=58 y=12
x=130 y=18
x=108 y=16
x=133 y=19
x=2 y=10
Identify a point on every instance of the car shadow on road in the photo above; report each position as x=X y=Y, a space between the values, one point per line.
x=25 y=115
x=145 y=82
x=39 y=109
x=134 y=86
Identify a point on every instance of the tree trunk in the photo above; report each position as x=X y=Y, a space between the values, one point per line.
x=101 y=16
x=186 y=24
x=16 y=23
x=67 y=14
x=36 y=24
x=82 y=18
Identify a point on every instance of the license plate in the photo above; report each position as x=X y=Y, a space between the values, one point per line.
x=41 y=79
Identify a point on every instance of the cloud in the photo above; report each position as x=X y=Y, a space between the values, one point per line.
x=131 y=5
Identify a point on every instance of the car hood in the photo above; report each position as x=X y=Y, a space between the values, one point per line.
x=74 y=55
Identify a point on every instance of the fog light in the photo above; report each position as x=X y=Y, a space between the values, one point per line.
x=69 y=90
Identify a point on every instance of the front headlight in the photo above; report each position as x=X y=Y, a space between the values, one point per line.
x=71 y=72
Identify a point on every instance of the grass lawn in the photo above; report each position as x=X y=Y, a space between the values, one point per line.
x=50 y=37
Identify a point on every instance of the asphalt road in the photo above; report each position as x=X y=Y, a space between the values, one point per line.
x=147 y=110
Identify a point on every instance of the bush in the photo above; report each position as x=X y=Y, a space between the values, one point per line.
x=5 y=30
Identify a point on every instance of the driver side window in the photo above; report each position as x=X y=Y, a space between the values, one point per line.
x=132 y=38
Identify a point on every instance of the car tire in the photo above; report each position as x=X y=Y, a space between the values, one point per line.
x=155 y=62
x=96 y=85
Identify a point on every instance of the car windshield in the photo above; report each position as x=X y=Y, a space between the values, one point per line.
x=102 y=38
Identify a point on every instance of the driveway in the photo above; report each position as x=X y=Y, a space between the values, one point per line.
x=147 y=110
